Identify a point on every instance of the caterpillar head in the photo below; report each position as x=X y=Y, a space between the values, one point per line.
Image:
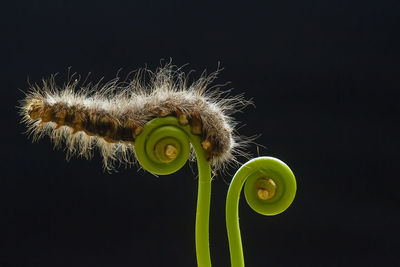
x=34 y=109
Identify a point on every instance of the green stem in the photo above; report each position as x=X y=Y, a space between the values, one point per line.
x=203 y=207
x=232 y=218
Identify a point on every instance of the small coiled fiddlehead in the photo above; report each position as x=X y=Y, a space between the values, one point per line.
x=270 y=188
x=163 y=148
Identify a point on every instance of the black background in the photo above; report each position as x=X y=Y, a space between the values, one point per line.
x=324 y=76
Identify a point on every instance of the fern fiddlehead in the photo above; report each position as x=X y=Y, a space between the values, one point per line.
x=163 y=148
x=270 y=188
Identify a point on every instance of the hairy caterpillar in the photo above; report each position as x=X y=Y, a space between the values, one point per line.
x=111 y=115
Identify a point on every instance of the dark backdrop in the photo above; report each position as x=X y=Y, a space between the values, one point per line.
x=324 y=76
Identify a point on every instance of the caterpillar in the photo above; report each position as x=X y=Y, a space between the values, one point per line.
x=111 y=115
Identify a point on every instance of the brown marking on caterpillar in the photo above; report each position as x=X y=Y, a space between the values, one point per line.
x=137 y=131
x=206 y=144
x=113 y=115
x=196 y=124
x=78 y=117
x=182 y=118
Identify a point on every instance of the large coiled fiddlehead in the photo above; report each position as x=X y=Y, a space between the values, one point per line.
x=163 y=148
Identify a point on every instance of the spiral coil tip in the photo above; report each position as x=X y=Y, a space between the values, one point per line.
x=165 y=151
x=266 y=188
x=171 y=152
